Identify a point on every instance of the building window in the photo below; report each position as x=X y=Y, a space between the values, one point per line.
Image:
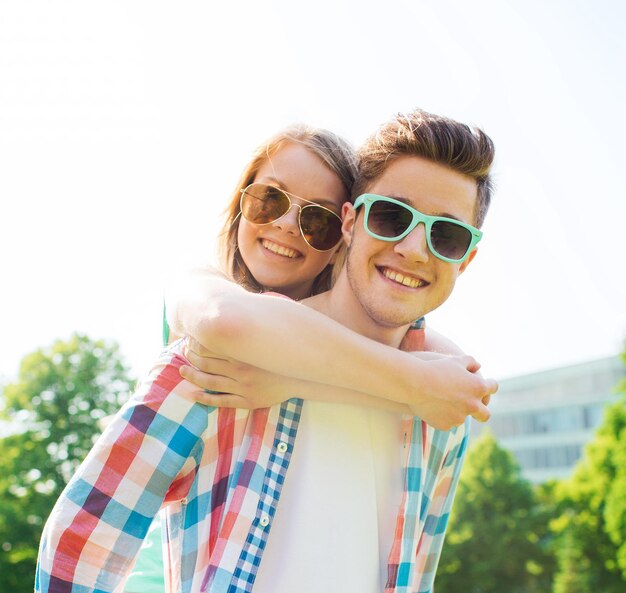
x=592 y=416
x=543 y=458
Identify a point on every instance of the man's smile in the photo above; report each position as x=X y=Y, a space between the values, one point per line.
x=402 y=278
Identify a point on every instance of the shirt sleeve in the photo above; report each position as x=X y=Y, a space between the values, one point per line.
x=445 y=460
x=146 y=456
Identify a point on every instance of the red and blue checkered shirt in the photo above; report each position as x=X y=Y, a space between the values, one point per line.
x=218 y=474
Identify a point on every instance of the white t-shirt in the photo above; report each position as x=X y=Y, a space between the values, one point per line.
x=334 y=524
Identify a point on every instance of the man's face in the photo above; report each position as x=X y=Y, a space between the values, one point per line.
x=398 y=282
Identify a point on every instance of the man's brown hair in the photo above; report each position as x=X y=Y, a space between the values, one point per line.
x=439 y=139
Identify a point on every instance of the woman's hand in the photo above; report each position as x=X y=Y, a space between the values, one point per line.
x=238 y=385
x=451 y=388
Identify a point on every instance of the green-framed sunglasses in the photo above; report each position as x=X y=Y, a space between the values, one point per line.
x=391 y=220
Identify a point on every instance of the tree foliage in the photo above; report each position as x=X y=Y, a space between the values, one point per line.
x=60 y=395
x=496 y=539
x=591 y=528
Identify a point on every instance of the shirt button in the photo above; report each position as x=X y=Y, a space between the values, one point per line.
x=282 y=447
x=265 y=521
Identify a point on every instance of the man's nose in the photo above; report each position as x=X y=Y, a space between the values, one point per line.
x=414 y=246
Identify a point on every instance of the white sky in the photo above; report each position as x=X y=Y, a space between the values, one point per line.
x=124 y=126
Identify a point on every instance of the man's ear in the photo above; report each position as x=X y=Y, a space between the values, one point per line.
x=467 y=262
x=348 y=214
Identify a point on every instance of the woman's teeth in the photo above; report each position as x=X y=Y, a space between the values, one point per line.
x=279 y=249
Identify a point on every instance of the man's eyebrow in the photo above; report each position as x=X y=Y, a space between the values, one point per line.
x=282 y=186
x=408 y=203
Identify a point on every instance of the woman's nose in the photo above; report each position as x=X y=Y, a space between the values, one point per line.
x=288 y=222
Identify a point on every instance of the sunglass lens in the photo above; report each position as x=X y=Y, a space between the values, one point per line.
x=387 y=219
x=449 y=239
x=320 y=227
x=262 y=203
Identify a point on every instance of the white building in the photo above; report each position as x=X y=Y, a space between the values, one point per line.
x=546 y=418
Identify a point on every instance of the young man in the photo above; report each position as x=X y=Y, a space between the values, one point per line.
x=365 y=495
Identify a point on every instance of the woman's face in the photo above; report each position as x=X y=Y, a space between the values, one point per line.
x=276 y=253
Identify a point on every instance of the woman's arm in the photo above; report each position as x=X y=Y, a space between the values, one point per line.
x=189 y=292
x=234 y=384
x=238 y=385
x=439 y=344
x=285 y=338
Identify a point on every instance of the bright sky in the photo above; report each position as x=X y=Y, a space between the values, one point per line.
x=124 y=126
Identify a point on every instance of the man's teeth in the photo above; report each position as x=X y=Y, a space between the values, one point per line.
x=274 y=248
x=404 y=280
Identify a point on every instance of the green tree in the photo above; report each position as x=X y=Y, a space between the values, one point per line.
x=496 y=541
x=60 y=395
x=591 y=528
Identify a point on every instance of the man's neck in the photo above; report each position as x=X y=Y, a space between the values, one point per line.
x=340 y=304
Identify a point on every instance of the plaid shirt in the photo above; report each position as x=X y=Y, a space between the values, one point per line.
x=218 y=473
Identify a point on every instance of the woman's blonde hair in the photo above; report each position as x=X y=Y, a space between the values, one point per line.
x=340 y=158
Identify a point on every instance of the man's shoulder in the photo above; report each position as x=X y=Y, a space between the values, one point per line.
x=415 y=338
